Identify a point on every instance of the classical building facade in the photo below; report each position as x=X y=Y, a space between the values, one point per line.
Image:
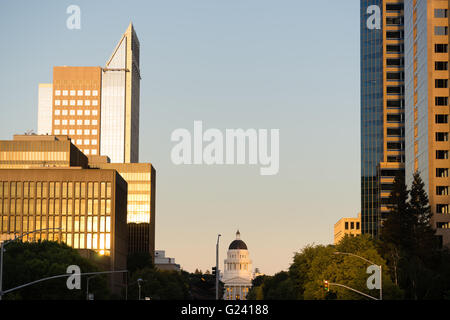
x=237 y=276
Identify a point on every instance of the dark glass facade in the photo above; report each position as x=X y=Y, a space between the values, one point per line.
x=371 y=117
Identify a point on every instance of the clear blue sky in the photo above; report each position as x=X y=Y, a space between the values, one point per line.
x=291 y=65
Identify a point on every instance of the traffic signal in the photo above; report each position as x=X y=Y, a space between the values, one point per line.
x=214 y=271
x=326 y=285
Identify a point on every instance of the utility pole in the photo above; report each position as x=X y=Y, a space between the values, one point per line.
x=217 y=267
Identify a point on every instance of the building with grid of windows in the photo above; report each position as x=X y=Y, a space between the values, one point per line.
x=427 y=104
x=347 y=226
x=76 y=106
x=382 y=107
x=141 y=179
x=404 y=106
x=97 y=107
x=45 y=183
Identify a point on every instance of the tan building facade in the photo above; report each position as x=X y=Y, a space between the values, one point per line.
x=77 y=106
x=427 y=104
x=347 y=226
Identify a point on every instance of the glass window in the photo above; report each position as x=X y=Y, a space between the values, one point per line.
x=89 y=224
x=82 y=223
x=69 y=223
x=440 y=31
x=95 y=207
x=64 y=189
x=70 y=190
x=95 y=189
x=89 y=241
x=95 y=224
x=95 y=241
x=69 y=206
x=440 y=13
x=77 y=189
x=64 y=206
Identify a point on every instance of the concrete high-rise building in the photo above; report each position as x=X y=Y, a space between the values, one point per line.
x=427 y=104
x=97 y=107
x=76 y=106
x=382 y=107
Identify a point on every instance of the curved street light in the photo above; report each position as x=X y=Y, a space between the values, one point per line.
x=362 y=258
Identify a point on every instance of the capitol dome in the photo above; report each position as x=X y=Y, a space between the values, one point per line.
x=238 y=244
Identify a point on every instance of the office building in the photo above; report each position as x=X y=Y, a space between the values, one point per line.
x=427 y=104
x=45 y=151
x=45 y=183
x=382 y=107
x=98 y=108
x=347 y=226
x=141 y=180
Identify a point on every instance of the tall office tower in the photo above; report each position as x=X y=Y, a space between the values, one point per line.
x=45 y=108
x=427 y=104
x=76 y=106
x=97 y=107
x=120 y=101
x=382 y=107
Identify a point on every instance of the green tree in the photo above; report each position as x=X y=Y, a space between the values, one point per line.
x=314 y=264
x=29 y=261
x=139 y=260
x=158 y=285
x=394 y=233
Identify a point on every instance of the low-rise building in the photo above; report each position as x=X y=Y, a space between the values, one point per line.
x=350 y=226
x=164 y=263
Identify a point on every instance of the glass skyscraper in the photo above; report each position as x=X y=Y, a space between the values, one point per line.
x=382 y=107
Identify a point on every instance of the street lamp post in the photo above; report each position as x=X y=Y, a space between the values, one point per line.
x=139 y=281
x=217 y=267
x=4 y=243
x=362 y=258
x=87 y=286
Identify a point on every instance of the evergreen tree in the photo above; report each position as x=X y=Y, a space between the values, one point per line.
x=423 y=234
x=394 y=233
